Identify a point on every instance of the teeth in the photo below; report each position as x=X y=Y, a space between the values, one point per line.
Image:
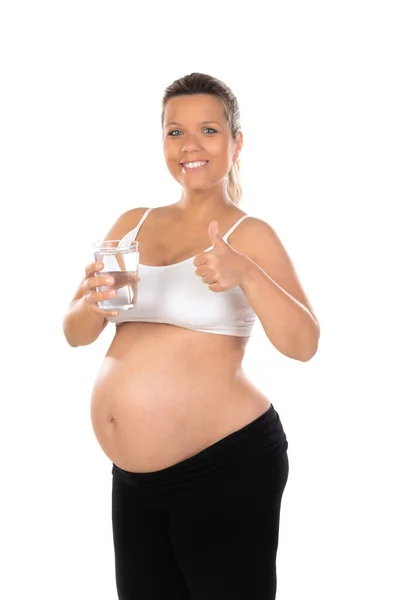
x=193 y=165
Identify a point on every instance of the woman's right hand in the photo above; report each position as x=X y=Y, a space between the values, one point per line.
x=91 y=296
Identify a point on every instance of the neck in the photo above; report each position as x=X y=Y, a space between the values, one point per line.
x=200 y=204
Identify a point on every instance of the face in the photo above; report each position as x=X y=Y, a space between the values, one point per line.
x=196 y=129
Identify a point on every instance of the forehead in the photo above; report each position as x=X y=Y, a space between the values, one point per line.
x=194 y=108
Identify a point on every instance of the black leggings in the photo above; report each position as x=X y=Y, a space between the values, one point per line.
x=205 y=528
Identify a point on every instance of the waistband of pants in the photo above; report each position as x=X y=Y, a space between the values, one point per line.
x=264 y=437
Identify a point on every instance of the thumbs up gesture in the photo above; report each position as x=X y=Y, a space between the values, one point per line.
x=221 y=268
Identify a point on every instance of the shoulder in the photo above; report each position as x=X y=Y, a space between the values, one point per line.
x=254 y=238
x=258 y=225
x=125 y=223
x=252 y=235
x=260 y=242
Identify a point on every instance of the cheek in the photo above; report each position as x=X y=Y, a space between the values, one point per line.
x=171 y=160
x=220 y=148
x=167 y=151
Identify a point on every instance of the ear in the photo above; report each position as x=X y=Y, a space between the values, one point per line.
x=239 y=146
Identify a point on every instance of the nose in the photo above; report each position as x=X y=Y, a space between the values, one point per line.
x=190 y=143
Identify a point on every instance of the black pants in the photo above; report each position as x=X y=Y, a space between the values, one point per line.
x=206 y=528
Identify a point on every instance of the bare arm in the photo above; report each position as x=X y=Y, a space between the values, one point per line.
x=83 y=324
x=273 y=289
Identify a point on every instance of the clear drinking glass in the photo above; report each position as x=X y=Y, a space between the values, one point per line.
x=122 y=263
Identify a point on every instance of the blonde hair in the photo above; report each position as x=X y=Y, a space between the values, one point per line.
x=199 y=83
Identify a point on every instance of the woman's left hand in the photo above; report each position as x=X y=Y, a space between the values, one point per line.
x=221 y=268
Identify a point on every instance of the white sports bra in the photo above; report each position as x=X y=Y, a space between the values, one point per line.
x=174 y=294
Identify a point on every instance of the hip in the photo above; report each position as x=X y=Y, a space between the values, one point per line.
x=252 y=449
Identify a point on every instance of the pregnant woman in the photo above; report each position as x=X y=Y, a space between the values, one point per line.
x=199 y=454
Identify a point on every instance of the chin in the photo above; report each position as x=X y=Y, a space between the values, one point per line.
x=197 y=188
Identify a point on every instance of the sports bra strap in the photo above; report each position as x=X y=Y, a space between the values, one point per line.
x=131 y=235
x=135 y=231
x=138 y=226
x=225 y=237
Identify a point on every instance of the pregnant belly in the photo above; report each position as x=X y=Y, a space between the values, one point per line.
x=163 y=394
x=146 y=421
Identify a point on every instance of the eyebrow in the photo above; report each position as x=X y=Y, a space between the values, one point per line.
x=200 y=123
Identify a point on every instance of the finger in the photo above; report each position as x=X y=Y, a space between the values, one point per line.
x=97 y=281
x=93 y=267
x=200 y=260
x=108 y=280
x=104 y=313
x=93 y=305
x=95 y=297
x=206 y=277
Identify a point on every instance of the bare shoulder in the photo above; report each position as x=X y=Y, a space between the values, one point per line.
x=251 y=235
x=257 y=232
x=261 y=243
x=125 y=223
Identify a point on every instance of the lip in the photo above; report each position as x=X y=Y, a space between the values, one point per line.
x=195 y=169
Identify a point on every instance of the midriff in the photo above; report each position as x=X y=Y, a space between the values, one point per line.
x=164 y=393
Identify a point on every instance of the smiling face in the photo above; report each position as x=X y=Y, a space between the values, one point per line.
x=197 y=130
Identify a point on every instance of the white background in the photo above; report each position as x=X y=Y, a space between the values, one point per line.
x=318 y=87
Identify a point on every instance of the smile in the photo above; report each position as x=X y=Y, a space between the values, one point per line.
x=198 y=165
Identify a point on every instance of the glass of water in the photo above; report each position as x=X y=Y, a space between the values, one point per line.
x=121 y=261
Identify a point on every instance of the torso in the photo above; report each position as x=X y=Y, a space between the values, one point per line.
x=163 y=393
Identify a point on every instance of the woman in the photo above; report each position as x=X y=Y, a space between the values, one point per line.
x=199 y=454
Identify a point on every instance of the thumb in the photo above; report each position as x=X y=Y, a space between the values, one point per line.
x=214 y=234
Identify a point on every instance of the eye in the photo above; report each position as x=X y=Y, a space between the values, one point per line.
x=171 y=133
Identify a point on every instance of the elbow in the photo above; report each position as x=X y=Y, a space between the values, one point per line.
x=67 y=338
x=72 y=345
x=307 y=357
x=71 y=342
x=310 y=350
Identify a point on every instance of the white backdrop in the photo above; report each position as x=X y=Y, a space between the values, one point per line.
x=80 y=136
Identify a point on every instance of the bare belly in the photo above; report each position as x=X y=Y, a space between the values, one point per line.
x=164 y=393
